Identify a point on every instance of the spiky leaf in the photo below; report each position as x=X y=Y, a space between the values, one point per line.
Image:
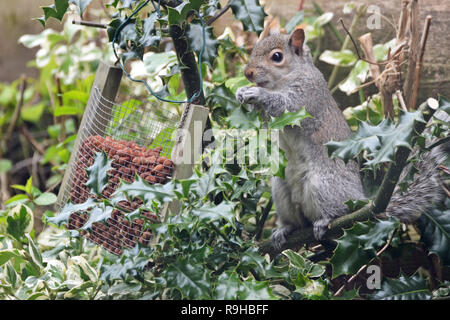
x=434 y=226
x=195 y=36
x=403 y=288
x=98 y=173
x=250 y=13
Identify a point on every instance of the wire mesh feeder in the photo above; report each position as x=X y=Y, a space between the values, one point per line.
x=138 y=138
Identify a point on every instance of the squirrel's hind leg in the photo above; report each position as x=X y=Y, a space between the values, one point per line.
x=289 y=217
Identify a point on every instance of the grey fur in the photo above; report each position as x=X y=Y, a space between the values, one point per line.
x=316 y=187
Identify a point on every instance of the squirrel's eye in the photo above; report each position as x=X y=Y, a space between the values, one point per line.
x=277 y=57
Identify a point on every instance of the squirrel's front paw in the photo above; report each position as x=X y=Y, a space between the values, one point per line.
x=248 y=95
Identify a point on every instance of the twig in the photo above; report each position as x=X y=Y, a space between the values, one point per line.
x=413 y=47
x=401 y=101
x=418 y=69
x=218 y=15
x=63 y=117
x=90 y=24
x=31 y=140
x=263 y=219
x=360 y=10
x=353 y=277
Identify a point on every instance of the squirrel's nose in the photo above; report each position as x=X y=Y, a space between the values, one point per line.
x=249 y=74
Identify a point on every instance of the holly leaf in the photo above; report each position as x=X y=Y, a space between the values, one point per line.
x=69 y=208
x=403 y=288
x=289 y=119
x=56 y=10
x=101 y=212
x=222 y=97
x=251 y=14
x=434 y=226
x=192 y=281
x=444 y=104
x=195 y=36
x=141 y=189
x=212 y=212
x=359 y=245
x=81 y=5
x=150 y=35
x=98 y=173
x=179 y=14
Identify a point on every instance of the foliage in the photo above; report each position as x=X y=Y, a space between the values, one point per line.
x=209 y=250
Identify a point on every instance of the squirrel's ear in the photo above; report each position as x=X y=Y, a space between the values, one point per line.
x=297 y=39
x=272 y=27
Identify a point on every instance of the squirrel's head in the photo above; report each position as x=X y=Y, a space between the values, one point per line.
x=274 y=57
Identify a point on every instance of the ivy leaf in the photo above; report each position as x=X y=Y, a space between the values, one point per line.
x=359 y=245
x=289 y=119
x=251 y=13
x=195 y=36
x=434 y=227
x=403 y=288
x=192 y=281
x=56 y=10
x=150 y=35
x=98 y=173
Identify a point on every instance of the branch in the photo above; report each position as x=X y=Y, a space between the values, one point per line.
x=219 y=14
x=374 y=208
x=418 y=69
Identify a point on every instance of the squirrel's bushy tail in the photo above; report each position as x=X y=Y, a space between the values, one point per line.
x=427 y=188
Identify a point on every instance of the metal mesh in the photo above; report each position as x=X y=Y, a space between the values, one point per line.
x=138 y=138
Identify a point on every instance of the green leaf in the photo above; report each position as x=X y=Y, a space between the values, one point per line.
x=8 y=254
x=69 y=208
x=434 y=226
x=45 y=199
x=251 y=14
x=56 y=11
x=65 y=110
x=359 y=245
x=99 y=213
x=289 y=119
x=192 y=281
x=345 y=58
x=444 y=104
x=19 y=221
x=98 y=173
x=381 y=141
x=305 y=266
x=403 y=288
x=195 y=36
x=212 y=212
x=179 y=14
x=33 y=113
x=5 y=165
x=150 y=35
x=227 y=287
x=34 y=252
x=141 y=189
x=356 y=77
x=81 y=5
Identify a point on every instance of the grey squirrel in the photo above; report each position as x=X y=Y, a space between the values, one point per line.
x=316 y=187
